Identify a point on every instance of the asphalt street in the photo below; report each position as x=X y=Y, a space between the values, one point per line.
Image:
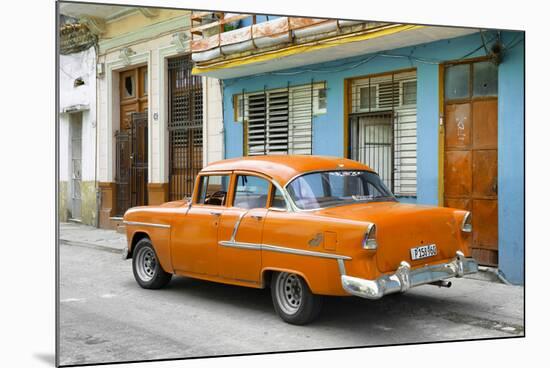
x=104 y=316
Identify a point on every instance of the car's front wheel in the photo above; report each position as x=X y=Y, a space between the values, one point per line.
x=293 y=300
x=147 y=270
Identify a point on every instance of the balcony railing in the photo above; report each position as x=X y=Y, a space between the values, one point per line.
x=217 y=35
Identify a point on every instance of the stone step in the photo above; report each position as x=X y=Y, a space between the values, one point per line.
x=121 y=229
x=118 y=225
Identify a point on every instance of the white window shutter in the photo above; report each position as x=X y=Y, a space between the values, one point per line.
x=280 y=121
x=255 y=115
x=366 y=144
x=300 y=137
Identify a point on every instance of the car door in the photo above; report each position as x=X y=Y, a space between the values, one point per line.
x=240 y=229
x=195 y=235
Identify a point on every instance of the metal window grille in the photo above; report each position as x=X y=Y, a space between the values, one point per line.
x=131 y=164
x=184 y=127
x=383 y=128
x=279 y=121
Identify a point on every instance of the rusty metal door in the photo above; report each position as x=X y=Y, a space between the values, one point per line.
x=471 y=162
x=185 y=126
x=132 y=164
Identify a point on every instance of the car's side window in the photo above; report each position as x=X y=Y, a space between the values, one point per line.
x=213 y=189
x=277 y=199
x=250 y=192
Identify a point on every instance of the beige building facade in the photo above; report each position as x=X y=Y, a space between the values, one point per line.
x=157 y=124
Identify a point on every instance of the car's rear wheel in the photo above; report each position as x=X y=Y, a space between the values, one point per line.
x=147 y=269
x=293 y=300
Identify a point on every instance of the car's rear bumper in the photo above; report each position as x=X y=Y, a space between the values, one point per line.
x=405 y=278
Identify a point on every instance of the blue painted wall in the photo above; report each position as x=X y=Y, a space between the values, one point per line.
x=328 y=131
x=511 y=172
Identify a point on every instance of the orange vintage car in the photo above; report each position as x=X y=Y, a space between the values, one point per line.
x=306 y=226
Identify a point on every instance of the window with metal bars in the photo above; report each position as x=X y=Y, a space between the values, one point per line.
x=279 y=121
x=382 y=128
x=185 y=105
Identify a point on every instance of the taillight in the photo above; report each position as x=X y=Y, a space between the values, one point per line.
x=467 y=223
x=370 y=238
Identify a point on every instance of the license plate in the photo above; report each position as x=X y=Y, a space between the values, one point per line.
x=424 y=251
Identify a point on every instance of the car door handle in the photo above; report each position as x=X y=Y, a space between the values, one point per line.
x=214 y=213
x=257 y=217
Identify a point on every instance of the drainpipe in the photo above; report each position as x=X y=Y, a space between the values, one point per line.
x=222 y=131
x=206 y=116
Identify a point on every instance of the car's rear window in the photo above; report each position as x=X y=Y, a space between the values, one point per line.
x=329 y=188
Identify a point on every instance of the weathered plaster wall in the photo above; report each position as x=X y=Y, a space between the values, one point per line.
x=153 y=51
x=78 y=106
x=63 y=197
x=136 y=21
x=89 y=202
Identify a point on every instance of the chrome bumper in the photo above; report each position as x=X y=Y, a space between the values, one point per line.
x=405 y=278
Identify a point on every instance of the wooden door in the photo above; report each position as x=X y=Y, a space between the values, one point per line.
x=470 y=168
x=131 y=140
x=133 y=94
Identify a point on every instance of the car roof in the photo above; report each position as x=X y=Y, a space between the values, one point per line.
x=282 y=168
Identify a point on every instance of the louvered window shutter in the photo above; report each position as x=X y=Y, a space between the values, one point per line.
x=300 y=137
x=256 y=117
x=277 y=127
x=279 y=121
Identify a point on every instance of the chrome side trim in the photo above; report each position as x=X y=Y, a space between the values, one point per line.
x=234 y=244
x=290 y=207
x=136 y=223
x=234 y=233
x=278 y=249
x=341 y=266
x=301 y=252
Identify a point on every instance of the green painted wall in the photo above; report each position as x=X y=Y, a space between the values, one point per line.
x=89 y=203
x=63 y=212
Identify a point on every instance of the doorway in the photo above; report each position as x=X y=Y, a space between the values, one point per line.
x=131 y=170
x=76 y=165
x=471 y=151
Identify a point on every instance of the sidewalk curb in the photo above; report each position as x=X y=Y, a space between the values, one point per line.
x=91 y=245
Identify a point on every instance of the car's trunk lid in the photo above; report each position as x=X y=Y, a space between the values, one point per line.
x=401 y=227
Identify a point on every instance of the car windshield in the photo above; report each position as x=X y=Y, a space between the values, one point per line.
x=330 y=188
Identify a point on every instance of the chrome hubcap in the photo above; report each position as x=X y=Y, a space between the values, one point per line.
x=146 y=264
x=289 y=293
